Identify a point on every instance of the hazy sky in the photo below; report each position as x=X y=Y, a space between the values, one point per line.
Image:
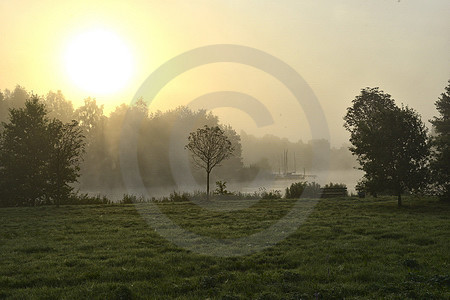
x=338 y=47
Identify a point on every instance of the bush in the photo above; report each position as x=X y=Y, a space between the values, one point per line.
x=295 y=190
x=221 y=188
x=128 y=199
x=312 y=190
x=303 y=189
x=335 y=185
x=179 y=197
x=273 y=194
x=85 y=199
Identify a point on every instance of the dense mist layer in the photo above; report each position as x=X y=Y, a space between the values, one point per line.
x=164 y=163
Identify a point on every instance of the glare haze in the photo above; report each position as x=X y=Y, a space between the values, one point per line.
x=338 y=47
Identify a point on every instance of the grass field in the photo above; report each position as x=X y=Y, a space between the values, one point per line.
x=347 y=248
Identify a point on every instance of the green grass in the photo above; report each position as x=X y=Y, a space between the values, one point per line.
x=348 y=248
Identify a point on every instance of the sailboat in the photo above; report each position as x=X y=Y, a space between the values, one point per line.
x=284 y=173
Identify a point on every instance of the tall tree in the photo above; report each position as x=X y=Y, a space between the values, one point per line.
x=38 y=158
x=17 y=97
x=390 y=143
x=441 y=145
x=209 y=147
x=91 y=119
x=58 y=107
x=67 y=147
x=3 y=108
x=24 y=154
x=89 y=116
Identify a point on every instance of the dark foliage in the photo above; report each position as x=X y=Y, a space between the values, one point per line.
x=441 y=146
x=273 y=194
x=39 y=158
x=303 y=189
x=24 y=155
x=221 y=188
x=390 y=143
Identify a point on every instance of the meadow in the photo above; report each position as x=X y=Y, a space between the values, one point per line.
x=347 y=248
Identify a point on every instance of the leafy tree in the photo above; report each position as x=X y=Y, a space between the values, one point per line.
x=390 y=143
x=67 y=147
x=89 y=116
x=91 y=119
x=3 y=108
x=24 y=154
x=441 y=145
x=17 y=97
x=58 y=107
x=38 y=157
x=209 y=147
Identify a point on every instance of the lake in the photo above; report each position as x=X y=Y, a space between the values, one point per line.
x=348 y=177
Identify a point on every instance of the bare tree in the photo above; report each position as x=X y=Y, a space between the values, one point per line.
x=209 y=147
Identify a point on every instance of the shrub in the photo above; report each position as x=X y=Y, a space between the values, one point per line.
x=128 y=199
x=221 y=188
x=85 y=199
x=273 y=194
x=303 y=189
x=179 y=197
x=335 y=185
x=295 y=190
x=312 y=190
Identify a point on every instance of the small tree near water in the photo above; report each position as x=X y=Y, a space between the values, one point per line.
x=209 y=147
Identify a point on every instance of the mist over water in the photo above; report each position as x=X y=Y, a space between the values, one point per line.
x=347 y=177
x=164 y=165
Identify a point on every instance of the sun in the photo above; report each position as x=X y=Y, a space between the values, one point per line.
x=98 y=61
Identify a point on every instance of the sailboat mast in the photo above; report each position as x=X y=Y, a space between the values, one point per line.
x=295 y=164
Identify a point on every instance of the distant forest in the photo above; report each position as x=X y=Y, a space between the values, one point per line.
x=101 y=165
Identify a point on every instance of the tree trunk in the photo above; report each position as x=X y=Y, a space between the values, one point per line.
x=399 y=199
x=207 y=186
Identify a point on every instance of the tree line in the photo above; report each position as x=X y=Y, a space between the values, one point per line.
x=98 y=169
x=43 y=138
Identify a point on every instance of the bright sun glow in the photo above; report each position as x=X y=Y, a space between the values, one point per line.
x=98 y=61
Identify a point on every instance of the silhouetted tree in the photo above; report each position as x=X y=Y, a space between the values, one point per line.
x=67 y=147
x=24 y=154
x=209 y=147
x=390 y=143
x=38 y=158
x=58 y=107
x=441 y=145
x=89 y=116
x=3 y=108
x=92 y=121
x=17 y=97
